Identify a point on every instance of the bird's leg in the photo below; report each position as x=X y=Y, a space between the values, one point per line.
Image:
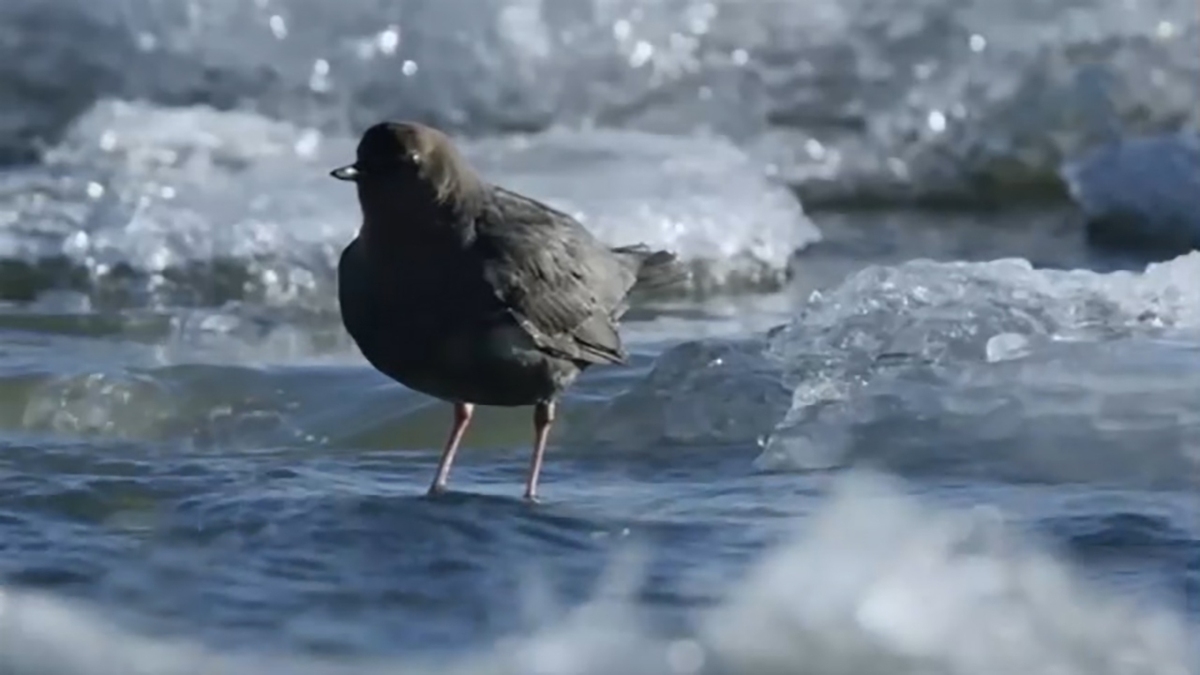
x=543 y=417
x=462 y=417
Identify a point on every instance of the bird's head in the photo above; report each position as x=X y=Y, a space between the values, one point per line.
x=406 y=169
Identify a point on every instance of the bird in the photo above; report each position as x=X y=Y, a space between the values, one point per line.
x=476 y=294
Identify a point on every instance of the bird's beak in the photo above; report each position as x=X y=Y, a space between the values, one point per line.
x=348 y=172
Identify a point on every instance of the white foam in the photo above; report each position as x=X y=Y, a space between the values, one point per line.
x=875 y=582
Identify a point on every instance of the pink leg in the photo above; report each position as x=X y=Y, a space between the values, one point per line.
x=462 y=417
x=543 y=417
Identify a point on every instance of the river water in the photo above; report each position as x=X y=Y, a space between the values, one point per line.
x=907 y=418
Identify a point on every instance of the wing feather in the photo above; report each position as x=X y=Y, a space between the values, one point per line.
x=558 y=281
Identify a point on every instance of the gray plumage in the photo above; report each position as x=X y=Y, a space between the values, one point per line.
x=473 y=293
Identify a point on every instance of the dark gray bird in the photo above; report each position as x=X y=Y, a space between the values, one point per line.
x=473 y=293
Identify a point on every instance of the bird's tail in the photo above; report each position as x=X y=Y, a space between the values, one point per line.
x=653 y=270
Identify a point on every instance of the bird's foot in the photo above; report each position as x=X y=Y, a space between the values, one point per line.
x=531 y=498
x=436 y=490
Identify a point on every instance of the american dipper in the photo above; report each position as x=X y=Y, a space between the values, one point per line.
x=475 y=294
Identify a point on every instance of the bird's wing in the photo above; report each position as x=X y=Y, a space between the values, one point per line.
x=354 y=293
x=557 y=280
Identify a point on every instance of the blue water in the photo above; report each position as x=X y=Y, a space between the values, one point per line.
x=910 y=418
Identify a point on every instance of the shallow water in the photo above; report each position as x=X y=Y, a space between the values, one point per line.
x=256 y=496
x=871 y=437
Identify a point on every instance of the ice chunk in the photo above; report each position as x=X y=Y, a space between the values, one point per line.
x=195 y=205
x=703 y=392
x=909 y=343
x=850 y=99
x=933 y=310
x=1006 y=346
x=1118 y=413
x=943 y=368
x=699 y=197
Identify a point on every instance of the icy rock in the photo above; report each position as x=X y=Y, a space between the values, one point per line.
x=1141 y=193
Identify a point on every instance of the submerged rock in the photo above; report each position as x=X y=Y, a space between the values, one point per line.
x=1141 y=194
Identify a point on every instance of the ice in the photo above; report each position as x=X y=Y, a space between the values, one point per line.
x=102 y=404
x=850 y=100
x=875 y=582
x=741 y=395
x=935 y=309
x=1120 y=413
x=994 y=369
x=188 y=205
x=200 y=206
x=880 y=583
x=1007 y=346
x=699 y=197
x=910 y=344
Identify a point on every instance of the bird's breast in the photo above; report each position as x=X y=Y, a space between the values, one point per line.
x=496 y=364
x=440 y=335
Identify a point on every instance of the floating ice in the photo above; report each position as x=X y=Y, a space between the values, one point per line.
x=931 y=367
x=198 y=206
x=911 y=345
x=935 y=99
x=741 y=395
x=1117 y=413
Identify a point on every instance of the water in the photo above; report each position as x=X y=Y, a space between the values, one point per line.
x=919 y=420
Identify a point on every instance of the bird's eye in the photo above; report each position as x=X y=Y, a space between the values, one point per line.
x=415 y=158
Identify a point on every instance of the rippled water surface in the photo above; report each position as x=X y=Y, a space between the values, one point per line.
x=914 y=414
